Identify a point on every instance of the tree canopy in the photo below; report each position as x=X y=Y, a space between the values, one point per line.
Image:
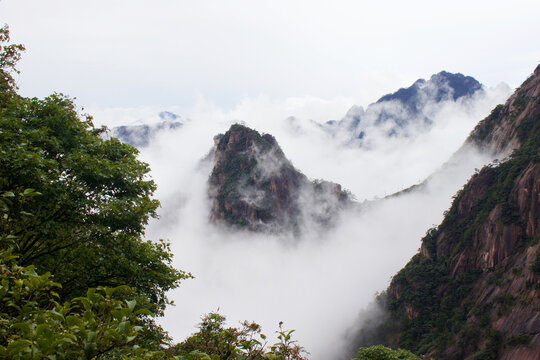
x=380 y=352
x=73 y=204
x=87 y=225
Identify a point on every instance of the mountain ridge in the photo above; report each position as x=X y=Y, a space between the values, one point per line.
x=407 y=110
x=140 y=135
x=472 y=290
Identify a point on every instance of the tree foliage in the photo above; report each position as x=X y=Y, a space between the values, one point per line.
x=9 y=55
x=74 y=205
x=77 y=278
x=87 y=226
x=34 y=325
x=214 y=341
x=379 y=352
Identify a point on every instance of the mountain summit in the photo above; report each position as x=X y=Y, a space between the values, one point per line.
x=441 y=86
x=406 y=111
x=254 y=186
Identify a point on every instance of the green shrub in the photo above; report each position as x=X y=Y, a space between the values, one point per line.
x=380 y=352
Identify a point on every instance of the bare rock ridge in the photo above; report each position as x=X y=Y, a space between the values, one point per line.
x=253 y=186
x=473 y=290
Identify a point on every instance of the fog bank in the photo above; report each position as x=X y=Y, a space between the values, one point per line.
x=318 y=283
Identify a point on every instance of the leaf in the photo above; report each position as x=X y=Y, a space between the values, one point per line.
x=24 y=327
x=18 y=346
x=130 y=338
x=44 y=331
x=131 y=304
x=143 y=311
x=124 y=326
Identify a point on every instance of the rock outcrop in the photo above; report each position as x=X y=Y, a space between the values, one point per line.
x=253 y=186
x=502 y=131
x=473 y=290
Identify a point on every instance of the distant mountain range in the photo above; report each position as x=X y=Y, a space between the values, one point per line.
x=253 y=185
x=141 y=135
x=405 y=111
x=402 y=113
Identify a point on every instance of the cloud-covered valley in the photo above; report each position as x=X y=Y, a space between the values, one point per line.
x=316 y=283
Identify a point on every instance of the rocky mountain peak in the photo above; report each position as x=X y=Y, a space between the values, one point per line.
x=254 y=186
x=405 y=112
x=440 y=86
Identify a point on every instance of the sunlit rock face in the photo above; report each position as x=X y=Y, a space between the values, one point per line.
x=254 y=186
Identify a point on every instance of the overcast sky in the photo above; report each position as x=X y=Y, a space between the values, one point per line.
x=165 y=53
x=261 y=61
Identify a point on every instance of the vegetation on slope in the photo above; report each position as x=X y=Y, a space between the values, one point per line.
x=466 y=292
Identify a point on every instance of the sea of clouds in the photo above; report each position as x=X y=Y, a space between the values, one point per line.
x=318 y=283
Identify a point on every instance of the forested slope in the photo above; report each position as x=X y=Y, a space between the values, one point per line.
x=472 y=291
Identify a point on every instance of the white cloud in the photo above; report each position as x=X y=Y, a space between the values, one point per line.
x=125 y=62
x=316 y=284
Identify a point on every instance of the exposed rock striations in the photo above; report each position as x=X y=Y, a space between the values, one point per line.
x=507 y=125
x=473 y=290
x=253 y=186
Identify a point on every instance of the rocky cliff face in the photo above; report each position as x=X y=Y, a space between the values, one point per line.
x=473 y=290
x=503 y=130
x=253 y=186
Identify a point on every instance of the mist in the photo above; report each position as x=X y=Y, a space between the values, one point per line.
x=317 y=283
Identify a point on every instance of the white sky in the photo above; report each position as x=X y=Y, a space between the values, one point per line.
x=165 y=53
x=261 y=61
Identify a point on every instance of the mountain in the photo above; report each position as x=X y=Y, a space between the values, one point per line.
x=473 y=290
x=141 y=135
x=254 y=186
x=439 y=87
x=406 y=111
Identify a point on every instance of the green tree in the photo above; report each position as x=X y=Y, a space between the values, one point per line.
x=215 y=341
x=380 y=352
x=9 y=55
x=86 y=226
x=33 y=325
